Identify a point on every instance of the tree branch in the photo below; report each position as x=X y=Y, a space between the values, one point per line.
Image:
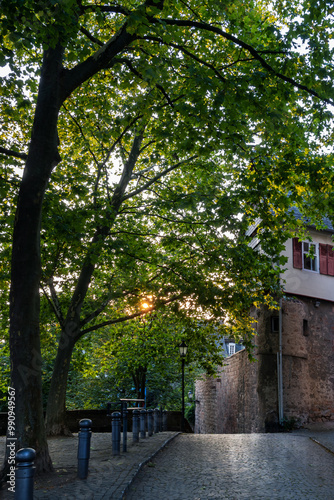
x=15 y=154
x=101 y=59
x=136 y=72
x=91 y=37
x=244 y=45
x=10 y=181
x=116 y=9
x=128 y=317
x=119 y=138
x=157 y=177
x=104 y=304
x=82 y=134
x=97 y=311
x=54 y=303
x=73 y=78
x=190 y=54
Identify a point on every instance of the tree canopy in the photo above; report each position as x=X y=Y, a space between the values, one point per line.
x=151 y=133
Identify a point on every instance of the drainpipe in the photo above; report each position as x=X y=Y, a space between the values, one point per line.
x=280 y=367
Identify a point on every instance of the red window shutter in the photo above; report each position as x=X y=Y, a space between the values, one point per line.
x=297 y=254
x=330 y=260
x=323 y=256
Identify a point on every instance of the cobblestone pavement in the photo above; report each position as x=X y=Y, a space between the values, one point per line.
x=238 y=467
x=295 y=466
x=109 y=476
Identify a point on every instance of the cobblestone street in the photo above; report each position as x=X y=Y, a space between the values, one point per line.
x=236 y=467
x=284 y=466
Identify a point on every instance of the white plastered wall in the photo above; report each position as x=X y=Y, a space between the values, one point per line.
x=308 y=283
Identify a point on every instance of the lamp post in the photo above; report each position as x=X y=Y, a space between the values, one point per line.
x=183 y=348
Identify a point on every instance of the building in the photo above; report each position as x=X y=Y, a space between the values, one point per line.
x=292 y=381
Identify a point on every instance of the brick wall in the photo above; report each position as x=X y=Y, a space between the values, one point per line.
x=229 y=403
x=308 y=360
x=206 y=406
x=244 y=397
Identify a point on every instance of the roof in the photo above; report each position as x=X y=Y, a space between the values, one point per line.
x=328 y=226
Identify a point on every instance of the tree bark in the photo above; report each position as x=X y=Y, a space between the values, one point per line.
x=55 y=420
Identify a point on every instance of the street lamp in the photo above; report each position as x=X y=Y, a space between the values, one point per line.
x=183 y=348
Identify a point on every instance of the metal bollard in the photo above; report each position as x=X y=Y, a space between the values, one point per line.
x=135 y=426
x=24 y=474
x=160 y=419
x=156 y=420
x=146 y=420
x=125 y=426
x=116 y=432
x=150 y=422
x=84 y=447
x=164 y=420
x=143 y=424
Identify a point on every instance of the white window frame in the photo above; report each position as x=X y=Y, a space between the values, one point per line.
x=306 y=247
x=231 y=348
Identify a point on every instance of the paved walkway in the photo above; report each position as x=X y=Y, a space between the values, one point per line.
x=109 y=477
x=294 y=466
x=239 y=467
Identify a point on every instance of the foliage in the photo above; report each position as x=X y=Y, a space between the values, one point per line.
x=203 y=76
x=106 y=367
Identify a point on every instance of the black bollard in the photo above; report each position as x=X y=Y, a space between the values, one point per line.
x=135 y=426
x=24 y=474
x=116 y=432
x=164 y=420
x=84 y=447
x=125 y=426
x=156 y=421
x=150 y=422
x=143 y=424
x=160 y=419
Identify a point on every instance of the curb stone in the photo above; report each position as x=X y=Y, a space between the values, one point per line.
x=322 y=445
x=142 y=464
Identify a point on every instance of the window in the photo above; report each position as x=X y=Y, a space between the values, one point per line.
x=310 y=257
x=274 y=324
x=231 y=349
x=313 y=257
x=305 y=327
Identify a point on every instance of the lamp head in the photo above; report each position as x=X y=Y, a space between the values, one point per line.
x=183 y=348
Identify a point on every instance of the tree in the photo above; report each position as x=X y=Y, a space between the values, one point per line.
x=141 y=358
x=162 y=70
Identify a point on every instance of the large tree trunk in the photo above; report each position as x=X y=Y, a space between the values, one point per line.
x=25 y=350
x=56 y=407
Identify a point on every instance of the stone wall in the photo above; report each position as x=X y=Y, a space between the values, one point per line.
x=308 y=360
x=244 y=397
x=229 y=403
x=206 y=406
